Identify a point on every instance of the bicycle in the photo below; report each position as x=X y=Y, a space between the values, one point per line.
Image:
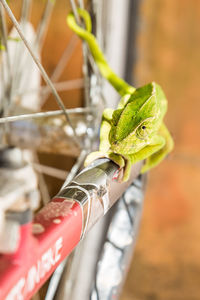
x=55 y=258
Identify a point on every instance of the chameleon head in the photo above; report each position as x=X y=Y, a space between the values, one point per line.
x=134 y=125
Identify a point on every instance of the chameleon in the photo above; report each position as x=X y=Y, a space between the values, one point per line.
x=135 y=131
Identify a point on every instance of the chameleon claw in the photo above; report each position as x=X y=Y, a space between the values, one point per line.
x=118 y=159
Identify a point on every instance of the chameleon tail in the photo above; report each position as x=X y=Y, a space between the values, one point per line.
x=119 y=84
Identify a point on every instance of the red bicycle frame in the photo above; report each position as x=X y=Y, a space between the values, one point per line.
x=57 y=229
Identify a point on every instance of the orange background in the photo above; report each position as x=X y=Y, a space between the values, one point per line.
x=166 y=265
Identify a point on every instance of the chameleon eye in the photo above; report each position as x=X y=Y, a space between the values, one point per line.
x=142 y=132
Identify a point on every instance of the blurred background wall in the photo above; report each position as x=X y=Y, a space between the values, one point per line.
x=166 y=264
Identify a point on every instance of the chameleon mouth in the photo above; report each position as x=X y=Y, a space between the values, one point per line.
x=129 y=148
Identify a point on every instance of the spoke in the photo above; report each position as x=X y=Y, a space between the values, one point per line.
x=17 y=65
x=78 y=21
x=2 y=80
x=86 y=75
x=38 y=115
x=63 y=62
x=37 y=44
x=50 y=171
x=26 y=8
x=43 y=72
x=87 y=57
x=39 y=37
x=42 y=183
x=60 y=86
x=76 y=167
x=43 y=25
x=6 y=77
x=64 y=58
x=85 y=67
x=74 y=8
x=4 y=40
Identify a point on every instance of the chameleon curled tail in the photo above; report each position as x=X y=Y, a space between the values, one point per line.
x=119 y=84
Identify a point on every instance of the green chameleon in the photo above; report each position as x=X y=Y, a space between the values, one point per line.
x=135 y=130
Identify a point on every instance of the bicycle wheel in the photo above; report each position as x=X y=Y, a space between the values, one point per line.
x=18 y=83
x=97 y=265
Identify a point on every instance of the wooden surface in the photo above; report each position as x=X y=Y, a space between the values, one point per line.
x=166 y=265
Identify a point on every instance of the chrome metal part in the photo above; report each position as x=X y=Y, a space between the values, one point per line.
x=89 y=185
x=93 y=190
x=50 y=133
x=90 y=189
